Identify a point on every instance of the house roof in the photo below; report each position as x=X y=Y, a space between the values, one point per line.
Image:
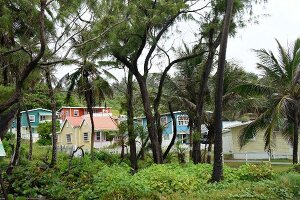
x=232 y=124
x=81 y=107
x=42 y=110
x=102 y=123
x=74 y=121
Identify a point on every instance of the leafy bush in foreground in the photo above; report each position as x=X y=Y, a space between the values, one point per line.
x=88 y=179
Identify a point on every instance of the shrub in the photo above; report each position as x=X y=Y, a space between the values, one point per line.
x=292 y=181
x=253 y=172
x=107 y=157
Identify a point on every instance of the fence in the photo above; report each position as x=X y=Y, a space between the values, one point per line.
x=280 y=158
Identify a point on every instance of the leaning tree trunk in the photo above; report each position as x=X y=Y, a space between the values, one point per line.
x=53 y=125
x=174 y=131
x=153 y=135
x=217 y=174
x=131 y=134
x=196 y=154
x=16 y=157
x=295 y=136
x=30 y=134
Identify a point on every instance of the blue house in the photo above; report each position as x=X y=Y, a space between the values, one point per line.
x=183 y=131
x=36 y=116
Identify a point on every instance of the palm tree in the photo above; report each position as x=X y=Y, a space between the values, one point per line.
x=282 y=87
x=88 y=80
x=217 y=174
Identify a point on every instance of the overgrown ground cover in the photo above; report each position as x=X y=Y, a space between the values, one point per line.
x=110 y=178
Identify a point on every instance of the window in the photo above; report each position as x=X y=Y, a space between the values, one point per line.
x=67 y=113
x=98 y=136
x=95 y=110
x=31 y=118
x=85 y=112
x=42 y=118
x=164 y=121
x=183 y=138
x=103 y=136
x=68 y=138
x=85 y=136
x=76 y=113
x=182 y=120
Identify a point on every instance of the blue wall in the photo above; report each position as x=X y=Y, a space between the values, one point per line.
x=168 y=128
x=36 y=113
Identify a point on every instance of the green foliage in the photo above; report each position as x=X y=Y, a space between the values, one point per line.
x=108 y=180
x=6 y=92
x=291 y=181
x=107 y=157
x=44 y=130
x=253 y=172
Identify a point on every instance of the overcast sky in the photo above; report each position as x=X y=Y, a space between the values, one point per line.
x=282 y=23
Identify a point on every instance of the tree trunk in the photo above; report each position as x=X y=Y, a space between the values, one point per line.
x=16 y=157
x=296 y=137
x=130 y=124
x=30 y=134
x=191 y=127
x=122 y=149
x=53 y=126
x=210 y=138
x=90 y=109
x=201 y=93
x=196 y=147
x=141 y=154
x=209 y=148
x=174 y=129
x=155 y=145
x=217 y=174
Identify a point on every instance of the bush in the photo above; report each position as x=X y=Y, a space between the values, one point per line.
x=107 y=157
x=292 y=181
x=253 y=172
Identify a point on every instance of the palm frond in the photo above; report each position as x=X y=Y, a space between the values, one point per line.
x=109 y=75
x=251 y=129
x=252 y=89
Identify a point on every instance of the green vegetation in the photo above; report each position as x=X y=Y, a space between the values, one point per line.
x=44 y=130
x=108 y=178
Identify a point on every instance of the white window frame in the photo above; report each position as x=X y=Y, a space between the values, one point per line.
x=85 y=137
x=76 y=113
x=103 y=136
x=182 y=122
x=33 y=118
x=68 y=138
x=98 y=135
